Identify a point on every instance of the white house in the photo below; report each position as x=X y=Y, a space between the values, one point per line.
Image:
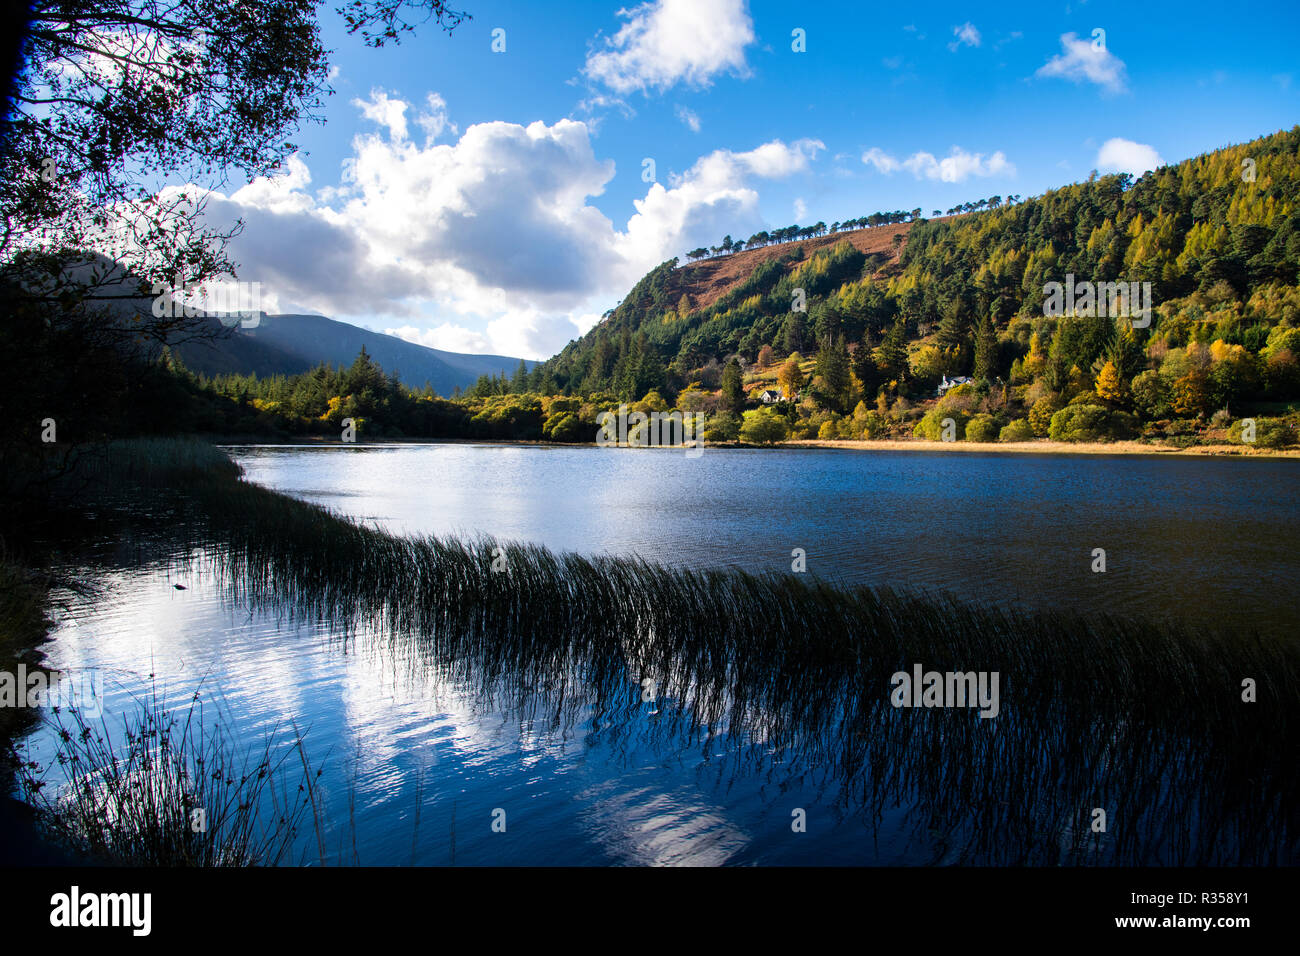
x=769 y=396
x=948 y=383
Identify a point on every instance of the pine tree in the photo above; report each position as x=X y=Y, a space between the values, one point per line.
x=865 y=369
x=953 y=328
x=893 y=351
x=833 y=368
x=795 y=334
x=733 y=386
x=986 y=350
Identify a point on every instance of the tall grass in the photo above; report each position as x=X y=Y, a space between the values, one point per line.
x=172 y=789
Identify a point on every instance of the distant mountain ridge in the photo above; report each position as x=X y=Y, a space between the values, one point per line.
x=291 y=344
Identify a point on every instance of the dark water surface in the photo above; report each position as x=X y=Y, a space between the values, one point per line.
x=1211 y=541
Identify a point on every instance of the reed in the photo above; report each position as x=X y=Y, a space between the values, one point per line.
x=170 y=788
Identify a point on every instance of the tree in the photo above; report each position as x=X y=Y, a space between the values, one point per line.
x=113 y=93
x=986 y=350
x=953 y=328
x=1192 y=394
x=765 y=357
x=865 y=368
x=764 y=426
x=893 y=352
x=519 y=383
x=1109 y=384
x=790 y=378
x=1040 y=415
x=833 y=369
x=733 y=386
x=795 y=333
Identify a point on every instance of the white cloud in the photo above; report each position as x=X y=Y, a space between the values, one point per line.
x=666 y=42
x=689 y=117
x=966 y=35
x=448 y=337
x=384 y=111
x=1087 y=60
x=956 y=167
x=883 y=162
x=800 y=209
x=485 y=243
x=1126 y=156
x=714 y=197
x=435 y=122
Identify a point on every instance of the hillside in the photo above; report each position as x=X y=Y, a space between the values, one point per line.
x=292 y=344
x=1186 y=317
x=708 y=281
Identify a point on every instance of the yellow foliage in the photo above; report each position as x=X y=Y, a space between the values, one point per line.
x=1109 y=385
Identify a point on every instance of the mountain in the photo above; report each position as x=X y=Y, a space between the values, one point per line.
x=291 y=344
x=1216 y=236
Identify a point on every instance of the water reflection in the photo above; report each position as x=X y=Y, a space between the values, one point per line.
x=526 y=689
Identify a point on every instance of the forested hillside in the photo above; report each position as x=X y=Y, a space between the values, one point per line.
x=1217 y=237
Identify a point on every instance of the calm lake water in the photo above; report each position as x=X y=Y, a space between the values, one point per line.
x=1204 y=541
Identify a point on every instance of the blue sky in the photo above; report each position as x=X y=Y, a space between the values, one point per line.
x=478 y=200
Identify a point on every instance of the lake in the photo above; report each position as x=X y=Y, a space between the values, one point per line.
x=431 y=763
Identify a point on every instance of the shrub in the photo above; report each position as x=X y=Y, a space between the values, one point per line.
x=870 y=425
x=982 y=428
x=1269 y=433
x=1018 y=430
x=723 y=427
x=1150 y=392
x=1040 y=415
x=931 y=424
x=764 y=426
x=1080 y=423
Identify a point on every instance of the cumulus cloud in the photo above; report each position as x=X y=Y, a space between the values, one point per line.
x=689 y=117
x=956 y=167
x=1125 y=156
x=713 y=197
x=388 y=113
x=488 y=242
x=1087 y=60
x=966 y=35
x=666 y=42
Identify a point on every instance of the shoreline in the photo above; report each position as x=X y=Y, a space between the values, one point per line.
x=1048 y=447
x=1036 y=447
